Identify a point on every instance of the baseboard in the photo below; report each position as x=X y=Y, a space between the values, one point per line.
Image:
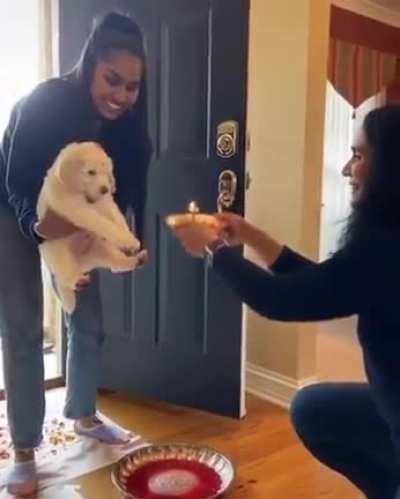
x=272 y=386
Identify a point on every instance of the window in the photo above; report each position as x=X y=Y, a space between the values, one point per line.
x=23 y=52
x=341 y=127
x=20 y=58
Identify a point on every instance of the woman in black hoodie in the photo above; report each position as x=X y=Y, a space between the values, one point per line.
x=104 y=100
x=353 y=428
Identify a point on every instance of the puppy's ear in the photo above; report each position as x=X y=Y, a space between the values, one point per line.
x=66 y=169
x=111 y=176
x=66 y=161
x=61 y=165
x=112 y=184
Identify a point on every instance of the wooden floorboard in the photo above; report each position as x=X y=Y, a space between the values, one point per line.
x=270 y=461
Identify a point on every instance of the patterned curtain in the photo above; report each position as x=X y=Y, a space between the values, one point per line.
x=363 y=56
x=393 y=89
x=358 y=72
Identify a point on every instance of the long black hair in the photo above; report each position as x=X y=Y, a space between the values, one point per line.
x=379 y=204
x=111 y=32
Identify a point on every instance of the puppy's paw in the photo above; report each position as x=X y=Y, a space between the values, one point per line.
x=142 y=258
x=126 y=265
x=129 y=245
x=129 y=252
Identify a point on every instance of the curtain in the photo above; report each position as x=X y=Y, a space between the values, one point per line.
x=358 y=73
x=363 y=73
x=363 y=56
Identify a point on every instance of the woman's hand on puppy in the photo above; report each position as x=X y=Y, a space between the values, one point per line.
x=53 y=226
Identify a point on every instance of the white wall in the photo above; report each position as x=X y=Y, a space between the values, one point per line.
x=287 y=84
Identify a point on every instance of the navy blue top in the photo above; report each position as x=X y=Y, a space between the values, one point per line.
x=55 y=114
x=362 y=279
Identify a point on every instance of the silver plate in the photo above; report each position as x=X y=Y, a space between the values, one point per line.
x=144 y=455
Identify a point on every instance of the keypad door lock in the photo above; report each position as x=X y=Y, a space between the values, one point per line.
x=227 y=139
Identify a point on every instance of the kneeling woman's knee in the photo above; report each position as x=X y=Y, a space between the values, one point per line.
x=308 y=409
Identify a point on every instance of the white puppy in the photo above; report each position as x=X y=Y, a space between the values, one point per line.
x=79 y=187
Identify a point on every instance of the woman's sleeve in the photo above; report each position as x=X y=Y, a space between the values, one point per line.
x=290 y=261
x=344 y=285
x=34 y=142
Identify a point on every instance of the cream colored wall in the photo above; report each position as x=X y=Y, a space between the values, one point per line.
x=287 y=81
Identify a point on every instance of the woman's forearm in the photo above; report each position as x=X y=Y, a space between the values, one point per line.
x=264 y=245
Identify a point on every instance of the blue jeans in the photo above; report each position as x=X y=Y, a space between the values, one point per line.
x=21 y=328
x=340 y=425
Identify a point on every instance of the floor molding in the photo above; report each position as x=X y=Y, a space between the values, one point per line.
x=272 y=386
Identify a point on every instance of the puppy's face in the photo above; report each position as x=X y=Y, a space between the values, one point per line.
x=85 y=169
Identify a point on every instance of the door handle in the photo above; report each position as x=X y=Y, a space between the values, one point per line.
x=227 y=188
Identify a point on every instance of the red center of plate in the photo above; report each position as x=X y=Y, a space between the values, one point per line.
x=174 y=478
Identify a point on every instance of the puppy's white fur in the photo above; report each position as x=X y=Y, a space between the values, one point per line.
x=80 y=187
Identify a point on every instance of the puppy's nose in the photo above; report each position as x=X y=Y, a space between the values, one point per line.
x=103 y=189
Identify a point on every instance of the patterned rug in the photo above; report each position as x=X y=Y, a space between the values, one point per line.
x=58 y=436
x=63 y=455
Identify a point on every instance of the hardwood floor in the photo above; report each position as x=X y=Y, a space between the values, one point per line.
x=270 y=461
